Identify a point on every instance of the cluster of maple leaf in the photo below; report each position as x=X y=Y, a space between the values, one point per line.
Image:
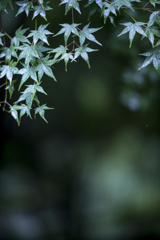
x=36 y=58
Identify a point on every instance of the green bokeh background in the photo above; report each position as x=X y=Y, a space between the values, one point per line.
x=93 y=171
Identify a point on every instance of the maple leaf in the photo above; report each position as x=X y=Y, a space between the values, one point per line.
x=87 y=33
x=132 y=28
x=126 y=3
x=9 y=70
x=1 y=35
x=9 y=52
x=41 y=10
x=11 y=87
x=152 y=18
x=110 y=9
x=28 y=52
x=151 y=32
x=94 y=5
x=25 y=6
x=154 y=2
x=40 y=48
x=40 y=34
x=41 y=111
x=19 y=37
x=24 y=109
x=44 y=67
x=14 y=113
x=29 y=94
x=59 y=51
x=67 y=30
x=70 y=4
x=66 y=57
x=4 y=3
x=153 y=57
x=82 y=51
x=98 y=2
x=26 y=73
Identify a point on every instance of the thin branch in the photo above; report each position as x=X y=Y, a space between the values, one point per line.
x=72 y=16
x=5 y=103
x=77 y=45
x=146 y=4
x=69 y=44
x=78 y=29
x=2 y=85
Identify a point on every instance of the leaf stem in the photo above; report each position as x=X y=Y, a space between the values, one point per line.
x=129 y=15
x=7 y=35
x=36 y=23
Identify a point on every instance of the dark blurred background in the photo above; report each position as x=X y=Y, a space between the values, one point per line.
x=92 y=173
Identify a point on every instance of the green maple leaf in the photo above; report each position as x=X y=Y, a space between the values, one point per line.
x=87 y=33
x=110 y=9
x=153 y=18
x=67 y=30
x=24 y=109
x=40 y=48
x=82 y=51
x=155 y=30
x=14 y=113
x=1 y=35
x=98 y=2
x=26 y=96
x=153 y=57
x=28 y=52
x=150 y=35
x=94 y=5
x=26 y=73
x=11 y=87
x=19 y=37
x=30 y=93
x=4 y=3
x=25 y=6
x=151 y=32
x=41 y=10
x=70 y=4
x=9 y=70
x=132 y=28
x=9 y=52
x=41 y=111
x=59 y=51
x=66 y=57
x=44 y=67
x=30 y=89
x=154 y=2
x=40 y=34
x=126 y=3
